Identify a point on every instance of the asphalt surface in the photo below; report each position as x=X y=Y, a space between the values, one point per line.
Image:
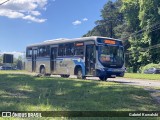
x=139 y=82
x=129 y=81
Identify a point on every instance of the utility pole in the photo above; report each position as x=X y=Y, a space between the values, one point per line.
x=111 y=29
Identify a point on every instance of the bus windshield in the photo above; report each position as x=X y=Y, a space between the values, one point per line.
x=111 y=56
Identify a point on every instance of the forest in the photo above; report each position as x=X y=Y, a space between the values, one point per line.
x=137 y=24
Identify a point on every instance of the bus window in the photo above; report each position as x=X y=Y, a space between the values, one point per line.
x=47 y=50
x=61 y=50
x=29 y=52
x=69 y=49
x=44 y=51
x=79 y=50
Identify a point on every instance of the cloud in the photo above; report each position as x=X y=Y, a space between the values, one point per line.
x=24 y=9
x=34 y=19
x=77 y=22
x=85 y=19
x=11 y=14
x=36 y=13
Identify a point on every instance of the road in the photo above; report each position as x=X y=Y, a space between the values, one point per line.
x=139 y=82
x=129 y=81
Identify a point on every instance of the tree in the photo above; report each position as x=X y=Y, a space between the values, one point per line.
x=111 y=17
x=149 y=16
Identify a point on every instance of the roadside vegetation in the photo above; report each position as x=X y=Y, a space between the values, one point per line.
x=142 y=76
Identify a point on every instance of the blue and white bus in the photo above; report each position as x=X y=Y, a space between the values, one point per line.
x=94 y=56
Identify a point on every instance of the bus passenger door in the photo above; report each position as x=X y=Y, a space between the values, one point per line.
x=53 y=59
x=90 y=60
x=34 y=57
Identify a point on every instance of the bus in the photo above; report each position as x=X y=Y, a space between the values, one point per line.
x=93 y=56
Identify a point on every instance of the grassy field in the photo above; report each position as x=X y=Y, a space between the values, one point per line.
x=143 y=76
x=20 y=92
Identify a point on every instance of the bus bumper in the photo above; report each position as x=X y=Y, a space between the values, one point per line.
x=110 y=72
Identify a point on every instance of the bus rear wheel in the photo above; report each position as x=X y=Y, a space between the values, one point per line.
x=103 y=78
x=65 y=76
x=79 y=74
x=43 y=71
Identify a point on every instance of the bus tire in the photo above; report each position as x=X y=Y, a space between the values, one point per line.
x=103 y=78
x=43 y=71
x=79 y=74
x=65 y=76
x=122 y=74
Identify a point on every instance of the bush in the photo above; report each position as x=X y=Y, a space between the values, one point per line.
x=151 y=65
x=129 y=70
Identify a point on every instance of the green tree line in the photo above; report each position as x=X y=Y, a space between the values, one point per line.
x=137 y=23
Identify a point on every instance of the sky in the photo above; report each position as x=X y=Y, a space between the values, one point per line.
x=25 y=22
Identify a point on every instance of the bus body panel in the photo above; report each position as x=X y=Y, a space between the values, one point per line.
x=64 y=66
x=45 y=63
x=67 y=65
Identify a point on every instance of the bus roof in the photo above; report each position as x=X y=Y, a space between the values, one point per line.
x=65 y=40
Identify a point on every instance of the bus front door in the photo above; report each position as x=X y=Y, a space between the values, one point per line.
x=90 y=60
x=53 y=59
x=34 y=56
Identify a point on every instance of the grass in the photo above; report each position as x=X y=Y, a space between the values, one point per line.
x=21 y=92
x=142 y=76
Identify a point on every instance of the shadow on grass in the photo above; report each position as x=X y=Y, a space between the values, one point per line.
x=27 y=93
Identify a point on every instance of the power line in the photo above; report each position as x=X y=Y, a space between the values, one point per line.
x=144 y=49
x=4 y=2
x=152 y=28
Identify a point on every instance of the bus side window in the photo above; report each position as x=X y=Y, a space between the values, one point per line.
x=47 y=50
x=40 y=51
x=61 y=50
x=43 y=51
x=79 y=50
x=69 y=49
x=29 y=52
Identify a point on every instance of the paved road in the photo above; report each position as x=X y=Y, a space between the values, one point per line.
x=129 y=81
x=140 y=82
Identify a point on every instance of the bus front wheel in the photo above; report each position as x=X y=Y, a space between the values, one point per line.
x=79 y=74
x=103 y=78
